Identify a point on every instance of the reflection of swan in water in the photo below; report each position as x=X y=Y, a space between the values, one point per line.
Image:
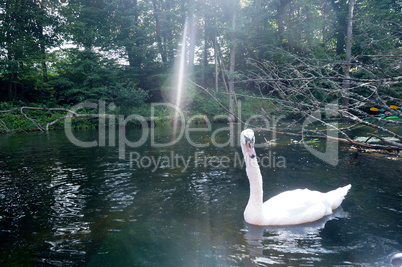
x=290 y=207
x=270 y=244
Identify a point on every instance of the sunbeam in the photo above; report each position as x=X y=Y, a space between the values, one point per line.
x=180 y=73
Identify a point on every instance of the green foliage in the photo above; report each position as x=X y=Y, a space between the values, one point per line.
x=86 y=76
x=126 y=96
x=82 y=76
x=123 y=51
x=15 y=121
x=198 y=102
x=377 y=26
x=253 y=106
x=26 y=33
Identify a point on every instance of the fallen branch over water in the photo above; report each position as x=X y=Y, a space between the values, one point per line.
x=41 y=126
x=393 y=146
x=73 y=114
x=45 y=127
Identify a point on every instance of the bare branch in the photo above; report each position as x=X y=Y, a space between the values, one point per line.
x=343 y=140
x=32 y=120
x=4 y=126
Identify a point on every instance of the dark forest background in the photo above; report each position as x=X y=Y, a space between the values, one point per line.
x=60 y=53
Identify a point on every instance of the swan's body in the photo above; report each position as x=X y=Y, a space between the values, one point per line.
x=290 y=207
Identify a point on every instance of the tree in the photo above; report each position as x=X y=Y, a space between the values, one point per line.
x=85 y=22
x=341 y=11
x=28 y=30
x=305 y=85
x=348 y=59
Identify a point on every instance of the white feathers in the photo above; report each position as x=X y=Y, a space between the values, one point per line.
x=290 y=207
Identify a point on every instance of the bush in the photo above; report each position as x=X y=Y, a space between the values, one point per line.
x=127 y=97
x=199 y=102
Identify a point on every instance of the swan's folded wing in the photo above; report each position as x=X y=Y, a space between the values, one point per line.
x=295 y=207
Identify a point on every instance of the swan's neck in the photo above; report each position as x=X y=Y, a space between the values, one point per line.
x=254 y=205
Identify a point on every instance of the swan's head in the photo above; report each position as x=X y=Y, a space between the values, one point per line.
x=247 y=140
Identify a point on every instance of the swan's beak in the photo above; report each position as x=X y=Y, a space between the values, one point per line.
x=250 y=149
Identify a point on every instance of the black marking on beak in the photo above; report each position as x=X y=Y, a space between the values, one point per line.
x=250 y=147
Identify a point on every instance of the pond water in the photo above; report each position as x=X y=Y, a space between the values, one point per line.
x=65 y=205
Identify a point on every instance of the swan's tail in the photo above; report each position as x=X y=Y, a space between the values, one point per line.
x=335 y=197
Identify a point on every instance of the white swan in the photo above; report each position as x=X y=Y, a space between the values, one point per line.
x=290 y=207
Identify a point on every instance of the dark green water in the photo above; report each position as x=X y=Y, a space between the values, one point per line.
x=63 y=205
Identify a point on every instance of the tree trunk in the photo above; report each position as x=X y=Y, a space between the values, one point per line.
x=216 y=65
x=346 y=82
x=232 y=68
x=10 y=56
x=280 y=17
x=133 y=46
x=339 y=8
x=205 y=55
x=325 y=28
x=192 y=35
x=158 y=37
x=43 y=55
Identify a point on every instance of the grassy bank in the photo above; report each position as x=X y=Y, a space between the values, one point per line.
x=28 y=117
